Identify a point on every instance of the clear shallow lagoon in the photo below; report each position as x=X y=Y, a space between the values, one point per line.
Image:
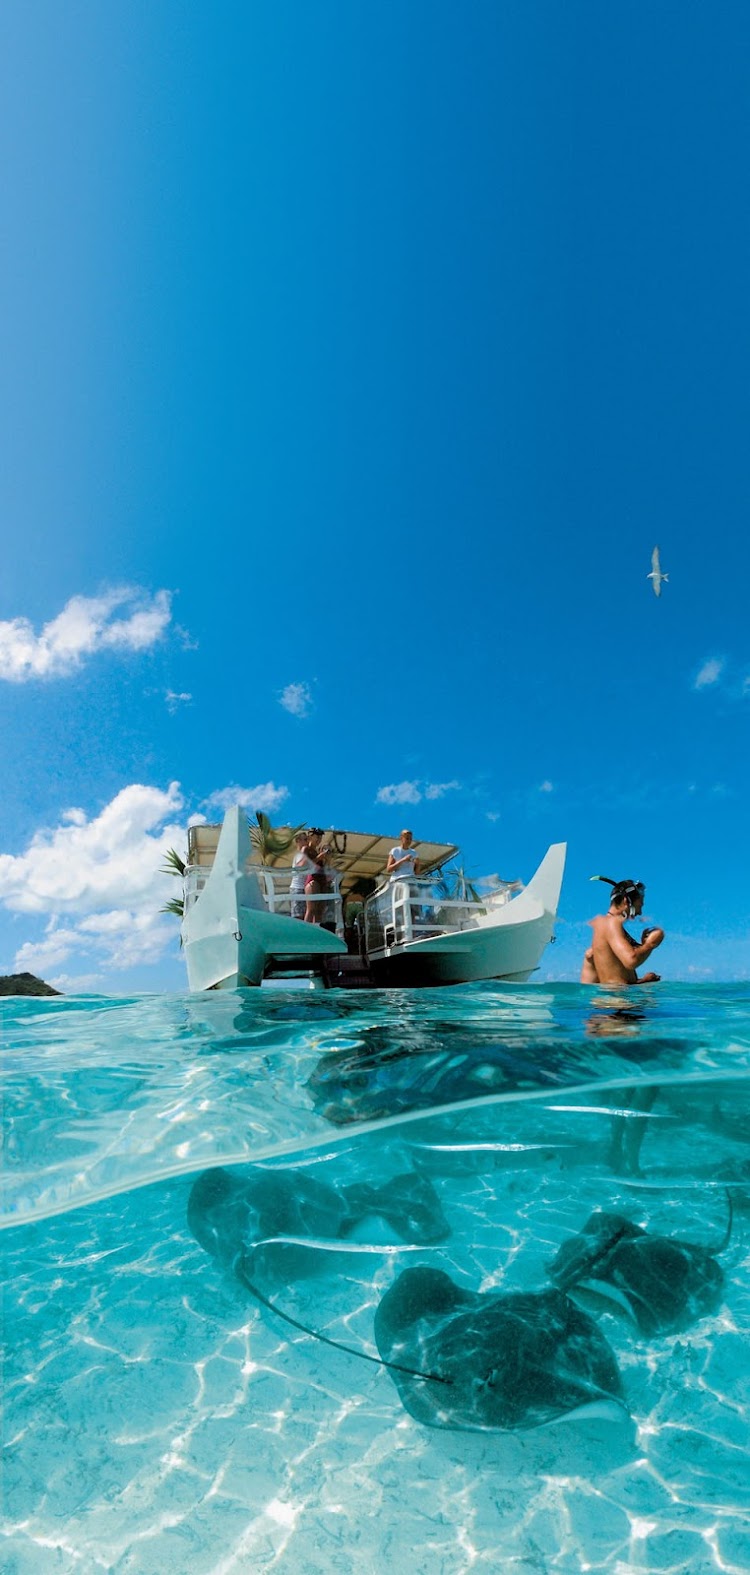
x=158 y=1418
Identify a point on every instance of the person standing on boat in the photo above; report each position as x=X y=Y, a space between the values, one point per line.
x=615 y=955
x=303 y=864
x=402 y=860
x=316 y=882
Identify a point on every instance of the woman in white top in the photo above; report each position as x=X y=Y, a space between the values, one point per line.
x=402 y=860
x=308 y=865
x=302 y=866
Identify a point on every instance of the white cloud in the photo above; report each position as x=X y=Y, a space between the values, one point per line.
x=546 y=786
x=142 y=628
x=726 y=675
x=98 y=883
x=76 y=984
x=40 y=956
x=113 y=923
x=84 y=865
x=413 y=792
x=399 y=793
x=185 y=638
x=710 y=673
x=131 y=940
x=297 y=699
x=265 y=796
x=437 y=789
x=174 y=700
x=84 y=626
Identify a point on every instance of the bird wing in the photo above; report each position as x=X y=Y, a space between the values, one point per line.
x=656 y=582
x=655 y=565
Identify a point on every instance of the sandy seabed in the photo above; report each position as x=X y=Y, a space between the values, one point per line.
x=159 y=1421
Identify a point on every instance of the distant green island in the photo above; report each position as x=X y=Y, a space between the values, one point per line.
x=25 y=984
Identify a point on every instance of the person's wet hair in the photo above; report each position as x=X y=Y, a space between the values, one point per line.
x=623 y=890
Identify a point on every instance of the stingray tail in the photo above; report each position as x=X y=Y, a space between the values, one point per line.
x=338 y=1345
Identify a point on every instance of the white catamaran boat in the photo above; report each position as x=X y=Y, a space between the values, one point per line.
x=376 y=930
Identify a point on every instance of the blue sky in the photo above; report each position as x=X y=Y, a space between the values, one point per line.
x=353 y=360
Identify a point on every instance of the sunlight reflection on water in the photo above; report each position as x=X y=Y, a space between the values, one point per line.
x=201 y=1430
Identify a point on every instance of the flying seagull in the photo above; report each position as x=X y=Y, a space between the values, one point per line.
x=656 y=574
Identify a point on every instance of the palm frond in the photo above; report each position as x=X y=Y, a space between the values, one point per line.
x=176 y=906
x=451 y=883
x=173 y=864
x=271 y=841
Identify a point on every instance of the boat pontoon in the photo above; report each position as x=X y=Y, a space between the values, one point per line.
x=375 y=930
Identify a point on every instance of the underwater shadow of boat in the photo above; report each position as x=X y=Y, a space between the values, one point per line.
x=385 y=1080
x=450 y=1063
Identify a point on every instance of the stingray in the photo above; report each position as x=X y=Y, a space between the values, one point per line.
x=287 y=1219
x=242 y=1218
x=662 y=1284
x=486 y=1360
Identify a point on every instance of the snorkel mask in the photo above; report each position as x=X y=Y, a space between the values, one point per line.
x=630 y=890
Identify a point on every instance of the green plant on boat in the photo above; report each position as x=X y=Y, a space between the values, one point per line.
x=451 y=884
x=174 y=865
x=271 y=841
x=360 y=889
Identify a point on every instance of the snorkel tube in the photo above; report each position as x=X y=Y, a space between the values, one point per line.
x=624 y=890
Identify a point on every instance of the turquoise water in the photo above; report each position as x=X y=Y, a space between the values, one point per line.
x=160 y=1416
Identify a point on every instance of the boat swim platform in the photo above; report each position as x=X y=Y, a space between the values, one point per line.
x=339 y=971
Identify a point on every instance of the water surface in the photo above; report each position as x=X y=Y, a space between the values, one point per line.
x=159 y=1418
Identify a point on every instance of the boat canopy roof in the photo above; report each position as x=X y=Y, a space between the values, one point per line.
x=355 y=854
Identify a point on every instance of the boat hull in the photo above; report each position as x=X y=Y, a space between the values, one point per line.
x=495 y=956
x=507 y=942
x=231 y=939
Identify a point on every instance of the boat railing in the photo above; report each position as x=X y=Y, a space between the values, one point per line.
x=411 y=910
x=500 y=892
x=196 y=876
x=275 y=885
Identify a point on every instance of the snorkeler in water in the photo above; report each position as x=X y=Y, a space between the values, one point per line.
x=614 y=955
